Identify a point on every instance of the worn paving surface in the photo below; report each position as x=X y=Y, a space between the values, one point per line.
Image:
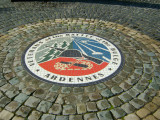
x=133 y=94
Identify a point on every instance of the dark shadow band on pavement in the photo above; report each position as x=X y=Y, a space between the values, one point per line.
x=112 y=2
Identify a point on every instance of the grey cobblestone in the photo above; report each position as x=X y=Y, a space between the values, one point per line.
x=66 y=90
x=91 y=106
x=12 y=106
x=104 y=115
x=137 y=103
x=62 y=118
x=115 y=101
x=125 y=97
x=32 y=101
x=128 y=108
x=44 y=106
x=91 y=116
x=4 y=101
x=35 y=115
x=40 y=93
x=6 y=115
x=21 y=98
x=12 y=93
x=48 y=117
x=103 y=104
x=75 y=117
x=106 y=93
x=94 y=96
x=100 y=86
x=55 y=109
x=23 y=111
x=81 y=108
x=69 y=109
x=118 y=112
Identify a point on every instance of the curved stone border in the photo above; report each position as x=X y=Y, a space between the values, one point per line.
x=133 y=88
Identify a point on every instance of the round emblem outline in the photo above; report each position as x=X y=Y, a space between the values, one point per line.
x=70 y=84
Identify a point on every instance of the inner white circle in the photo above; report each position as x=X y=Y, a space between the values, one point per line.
x=38 y=72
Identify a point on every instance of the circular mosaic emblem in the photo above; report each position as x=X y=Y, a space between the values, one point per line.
x=73 y=59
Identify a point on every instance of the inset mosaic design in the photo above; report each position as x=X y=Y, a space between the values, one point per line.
x=75 y=59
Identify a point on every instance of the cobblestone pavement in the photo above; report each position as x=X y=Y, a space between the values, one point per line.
x=133 y=94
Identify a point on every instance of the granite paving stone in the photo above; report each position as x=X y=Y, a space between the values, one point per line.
x=18 y=118
x=94 y=96
x=137 y=103
x=100 y=86
x=2 y=82
x=131 y=117
x=144 y=97
x=90 y=116
x=23 y=111
x=14 y=81
x=21 y=98
x=103 y=104
x=1 y=94
x=106 y=93
x=51 y=97
x=156 y=114
x=125 y=97
x=139 y=88
x=32 y=101
x=125 y=86
x=5 y=87
x=78 y=90
x=81 y=108
x=90 y=89
x=35 y=115
x=156 y=100
x=118 y=112
x=116 y=90
x=66 y=90
x=104 y=115
x=151 y=106
x=150 y=117
x=6 y=115
x=69 y=99
x=44 y=106
x=69 y=109
x=55 y=109
x=143 y=112
x=91 y=106
x=12 y=106
x=54 y=88
x=133 y=92
x=60 y=99
x=40 y=93
x=12 y=93
x=28 y=90
x=128 y=108
x=48 y=117
x=115 y=101
x=62 y=117
x=4 y=101
x=75 y=117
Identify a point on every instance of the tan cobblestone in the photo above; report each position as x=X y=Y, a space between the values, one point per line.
x=143 y=112
x=6 y=115
x=18 y=118
x=150 y=117
x=158 y=94
x=156 y=100
x=131 y=117
x=151 y=106
x=157 y=114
